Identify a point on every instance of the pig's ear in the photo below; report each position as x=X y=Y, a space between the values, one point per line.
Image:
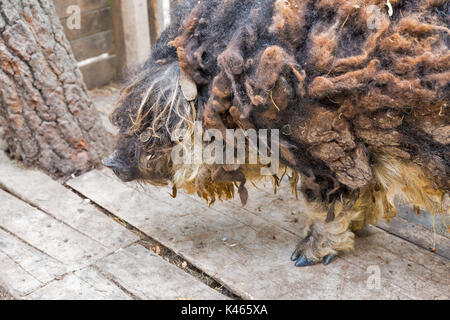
x=188 y=86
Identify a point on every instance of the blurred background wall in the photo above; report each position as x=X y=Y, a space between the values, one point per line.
x=113 y=35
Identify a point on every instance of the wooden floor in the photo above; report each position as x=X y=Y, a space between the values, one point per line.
x=83 y=240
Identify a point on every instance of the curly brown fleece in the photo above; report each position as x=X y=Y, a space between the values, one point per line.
x=318 y=68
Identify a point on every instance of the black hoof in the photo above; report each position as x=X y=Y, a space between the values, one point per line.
x=304 y=262
x=295 y=256
x=328 y=259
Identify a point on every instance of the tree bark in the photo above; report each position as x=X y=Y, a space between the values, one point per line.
x=49 y=120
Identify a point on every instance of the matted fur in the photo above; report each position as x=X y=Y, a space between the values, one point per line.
x=363 y=110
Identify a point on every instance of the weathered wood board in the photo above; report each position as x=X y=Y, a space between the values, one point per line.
x=130 y=273
x=62 y=247
x=57 y=239
x=94 y=45
x=93 y=39
x=63 y=205
x=439 y=224
x=132 y=34
x=148 y=276
x=4 y=295
x=84 y=5
x=250 y=254
x=24 y=268
x=77 y=287
x=99 y=73
x=37 y=266
x=283 y=209
x=417 y=234
x=91 y=22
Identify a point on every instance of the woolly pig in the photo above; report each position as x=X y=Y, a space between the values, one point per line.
x=358 y=89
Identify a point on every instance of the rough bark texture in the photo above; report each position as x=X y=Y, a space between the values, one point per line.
x=48 y=118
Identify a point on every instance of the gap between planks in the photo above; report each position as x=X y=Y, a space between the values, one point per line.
x=11 y=188
x=33 y=205
x=249 y=224
x=423 y=264
x=165 y=252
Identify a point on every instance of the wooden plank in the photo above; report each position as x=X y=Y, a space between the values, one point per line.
x=287 y=212
x=50 y=196
x=93 y=46
x=281 y=209
x=250 y=262
x=14 y=279
x=162 y=17
x=148 y=276
x=85 y=5
x=417 y=234
x=48 y=235
x=439 y=224
x=91 y=22
x=99 y=73
x=30 y=261
x=132 y=34
x=395 y=257
x=83 y=285
x=119 y=38
x=152 y=22
x=106 y=287
x=23 y=268
x=375 y=248
x=254 y=260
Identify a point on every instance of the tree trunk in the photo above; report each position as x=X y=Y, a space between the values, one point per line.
x=49 y=120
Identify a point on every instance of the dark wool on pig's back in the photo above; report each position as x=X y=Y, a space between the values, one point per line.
x=361 y=97
x=336 y=81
